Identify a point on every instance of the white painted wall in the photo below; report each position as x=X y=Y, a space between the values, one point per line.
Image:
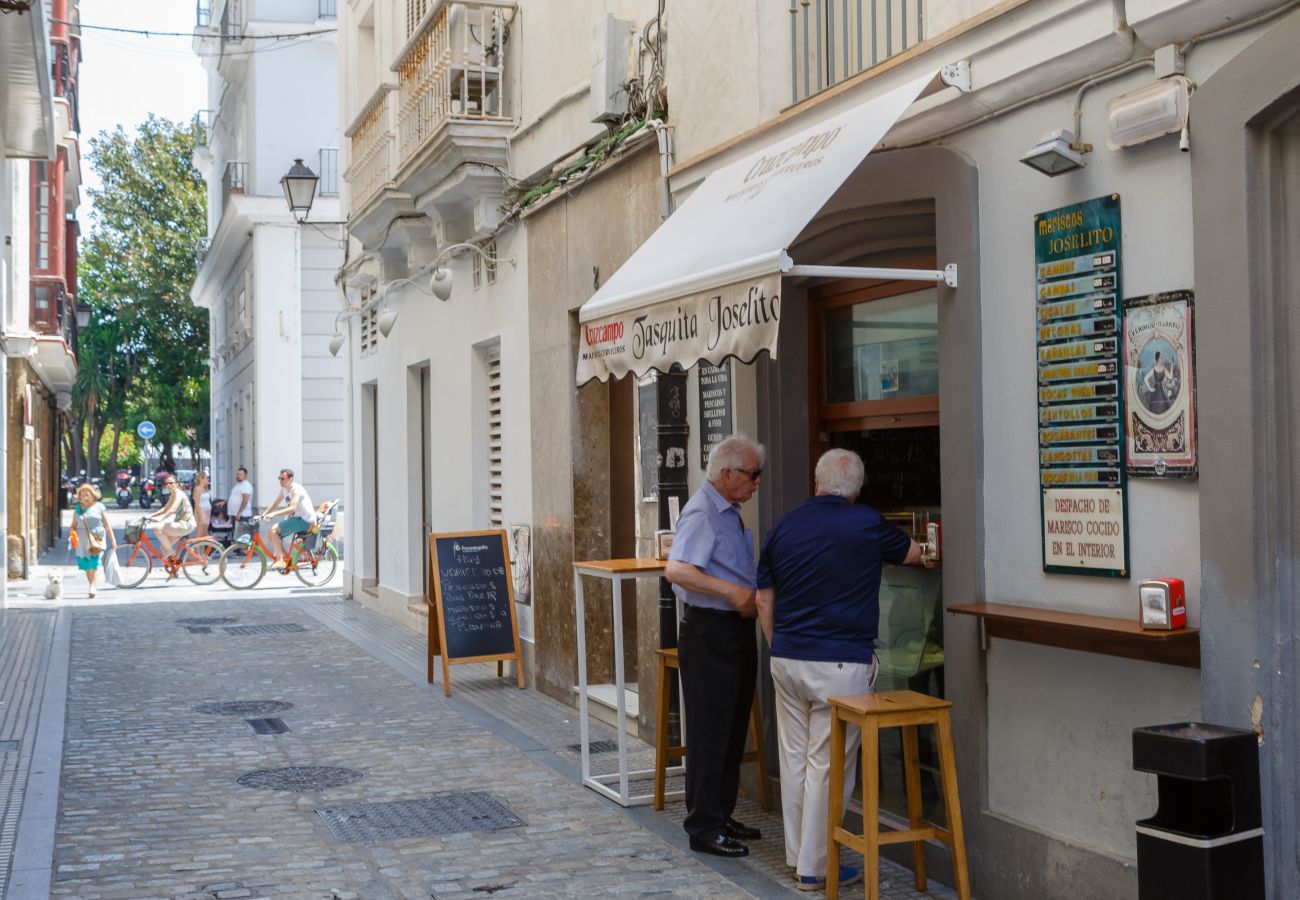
x=277 y=398
x=1059 y=722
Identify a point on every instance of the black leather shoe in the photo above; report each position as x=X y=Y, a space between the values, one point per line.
x=720 y=845
x=734 y=829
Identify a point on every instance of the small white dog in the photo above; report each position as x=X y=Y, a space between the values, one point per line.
x=54 y=590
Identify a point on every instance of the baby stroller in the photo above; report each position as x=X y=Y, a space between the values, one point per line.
x=221 y=526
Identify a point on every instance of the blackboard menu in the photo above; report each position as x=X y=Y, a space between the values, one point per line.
x=474 y=596
x=715 y=407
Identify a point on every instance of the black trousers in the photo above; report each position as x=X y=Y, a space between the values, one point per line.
x=719 y=663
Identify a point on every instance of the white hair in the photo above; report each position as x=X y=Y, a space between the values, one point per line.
x=730 y=453
x=840 y=472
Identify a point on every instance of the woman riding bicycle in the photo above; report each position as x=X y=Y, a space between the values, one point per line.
x=177 y=520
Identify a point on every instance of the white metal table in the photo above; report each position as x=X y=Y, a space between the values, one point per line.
x=616 y=571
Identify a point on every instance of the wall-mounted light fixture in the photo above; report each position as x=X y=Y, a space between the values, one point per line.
x=299 y=185
x=440 y=284
x=1148 y=113
x=1056 y=153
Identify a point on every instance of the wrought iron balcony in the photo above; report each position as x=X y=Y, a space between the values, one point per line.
x=832 y=40
x=234 y=180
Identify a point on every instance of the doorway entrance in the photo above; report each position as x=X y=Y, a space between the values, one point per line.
x=874 y=389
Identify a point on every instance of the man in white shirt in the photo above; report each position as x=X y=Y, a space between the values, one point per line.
x=292 y=501
x=240 y=504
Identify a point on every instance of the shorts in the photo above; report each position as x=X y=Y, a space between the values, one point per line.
x=293 y=525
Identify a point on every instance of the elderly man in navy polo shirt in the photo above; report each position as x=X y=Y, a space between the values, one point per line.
x=819 y=605
x=712 y=571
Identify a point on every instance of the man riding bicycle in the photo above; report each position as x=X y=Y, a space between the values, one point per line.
x=301 y=514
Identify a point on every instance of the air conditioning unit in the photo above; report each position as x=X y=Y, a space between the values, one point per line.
x=611 y=68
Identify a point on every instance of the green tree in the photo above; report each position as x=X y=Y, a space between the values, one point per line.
x=145 y=352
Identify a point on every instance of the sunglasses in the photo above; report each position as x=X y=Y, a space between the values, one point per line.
x=751 y=474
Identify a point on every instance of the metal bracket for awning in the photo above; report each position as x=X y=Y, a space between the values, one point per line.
x=947 y=275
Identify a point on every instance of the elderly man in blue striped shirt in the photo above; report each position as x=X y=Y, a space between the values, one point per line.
x=712 y=571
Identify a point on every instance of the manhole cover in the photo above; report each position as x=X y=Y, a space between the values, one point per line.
x=208 y=620
x=597 y=747
x=300 y=778
x=290 y=628
x=245 y=709
x=368 y=823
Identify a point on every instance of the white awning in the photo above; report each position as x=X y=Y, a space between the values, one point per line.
x=707 y=284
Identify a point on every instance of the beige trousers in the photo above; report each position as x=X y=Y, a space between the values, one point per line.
x=803 y=722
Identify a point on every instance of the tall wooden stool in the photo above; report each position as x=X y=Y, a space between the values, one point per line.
x=872 y=712
x=664 y=754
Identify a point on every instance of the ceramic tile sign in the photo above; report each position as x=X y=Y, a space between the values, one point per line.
x=1082 y=479
x=1159 y=386
x=715 y=407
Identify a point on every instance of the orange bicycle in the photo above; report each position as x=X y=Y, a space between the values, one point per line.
x=198 y=558
x=312 y=556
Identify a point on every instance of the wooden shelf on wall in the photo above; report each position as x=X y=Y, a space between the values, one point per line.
x=1091 y=634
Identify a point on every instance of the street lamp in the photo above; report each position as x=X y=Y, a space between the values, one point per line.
x=83 y=315
x=299 y=185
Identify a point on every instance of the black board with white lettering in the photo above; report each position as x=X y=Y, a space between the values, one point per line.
x=473 y=615
x=714 y=407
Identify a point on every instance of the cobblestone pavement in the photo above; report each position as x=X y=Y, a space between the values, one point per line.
x=150 y=804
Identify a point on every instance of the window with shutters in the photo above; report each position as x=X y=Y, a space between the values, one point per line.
x=369 y=325
x=496 y=495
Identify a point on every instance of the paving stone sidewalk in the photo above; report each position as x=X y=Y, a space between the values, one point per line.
x=151 y=807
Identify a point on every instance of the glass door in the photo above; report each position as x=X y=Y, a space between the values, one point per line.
x=875 y=381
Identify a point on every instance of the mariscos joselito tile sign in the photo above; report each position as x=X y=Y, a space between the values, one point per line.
x=1077 y=276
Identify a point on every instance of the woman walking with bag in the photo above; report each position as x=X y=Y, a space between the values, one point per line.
x=91 y=527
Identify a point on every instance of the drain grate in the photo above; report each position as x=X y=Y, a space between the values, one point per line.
x=245 y=709
x=8 y=746
x=451 y=813
x=597 y=747
x=268 y=726
x=290 y=628
x=300 y=778
x=208 y=620
x=198 y=629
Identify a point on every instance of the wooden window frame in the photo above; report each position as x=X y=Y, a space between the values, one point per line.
x=859 y=415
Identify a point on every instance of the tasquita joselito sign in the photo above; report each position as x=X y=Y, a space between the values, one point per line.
x=737 y=320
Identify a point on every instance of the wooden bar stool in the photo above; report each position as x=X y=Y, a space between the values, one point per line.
x=872 y=712
x=665 y=754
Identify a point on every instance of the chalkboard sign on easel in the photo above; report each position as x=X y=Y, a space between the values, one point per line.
x=473 y=615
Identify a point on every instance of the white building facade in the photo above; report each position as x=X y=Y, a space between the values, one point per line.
x=266 y=280
x=466 y=416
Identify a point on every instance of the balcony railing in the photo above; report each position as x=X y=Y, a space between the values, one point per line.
x=371 y=137
x=201 y=127
x=234 y=180
x=329 y=171
x=832 y=40
x=452 y=67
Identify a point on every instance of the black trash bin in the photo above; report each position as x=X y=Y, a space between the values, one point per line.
x=1206 y=840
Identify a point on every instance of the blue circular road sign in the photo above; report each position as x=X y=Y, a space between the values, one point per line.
x=146 y=429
